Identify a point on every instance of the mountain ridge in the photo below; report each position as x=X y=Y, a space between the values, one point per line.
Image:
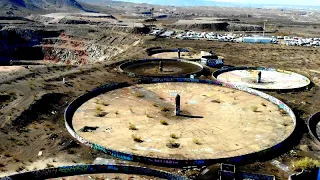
x=26 y=7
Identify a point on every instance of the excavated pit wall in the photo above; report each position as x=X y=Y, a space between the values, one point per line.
x=56 y=47
x=76 y=50
x=17 y=43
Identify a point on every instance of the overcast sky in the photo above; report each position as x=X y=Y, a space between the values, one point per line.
x=207 y=2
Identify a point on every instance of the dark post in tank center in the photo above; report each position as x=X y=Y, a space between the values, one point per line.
x=177 y=110
x=259 y=77
x=160 y=66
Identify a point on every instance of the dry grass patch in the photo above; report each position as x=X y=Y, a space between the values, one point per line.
x=174 y=136
x=138 y=94
x=164 y=122
x=99 y=112
x=254 y=108
x=149 y=115
x=165 y=109
x=216 y=101
x=137 y=138
x=132 y=126
x=98 y=108
x=305 y=163
x=197 y=141
x=172 y=144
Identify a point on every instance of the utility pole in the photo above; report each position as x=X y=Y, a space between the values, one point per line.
x=151 y=11
x=264 y=26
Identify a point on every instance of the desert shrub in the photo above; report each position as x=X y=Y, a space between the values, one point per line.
x=137 y=138
x=132 y=126
x=104 y=103
x=164 y=122
x=98 y=108
x=165 y=109
x=100 y=113
x=174 y=136
x=305 y=163
x=254 y=108
x=149 y=115
x=139 y=95
x=172 y=144
x=7 y=154
x=197 y=141
x=216 y=101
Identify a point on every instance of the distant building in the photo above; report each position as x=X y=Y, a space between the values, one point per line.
x=262 y=40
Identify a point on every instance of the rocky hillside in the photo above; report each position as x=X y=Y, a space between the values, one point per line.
x=25 y=7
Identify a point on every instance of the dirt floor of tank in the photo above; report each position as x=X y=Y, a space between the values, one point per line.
x=106 y=176
x=169 y=68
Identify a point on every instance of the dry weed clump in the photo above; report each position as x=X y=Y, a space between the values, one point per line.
x=137 y=138
x=164 y=122
x=138 y=95
x=174 y=136
x=216 y=101
x=254 y=108
x=165 y=109
x=99 y=112
x=305 y=163
x=197 y=141
x=132 y=126
x=149 y=116
x=172 y=144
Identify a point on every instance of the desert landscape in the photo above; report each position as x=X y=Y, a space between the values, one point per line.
x=54 y=53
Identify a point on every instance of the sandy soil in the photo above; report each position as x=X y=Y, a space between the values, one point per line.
x=229 y=124
x=11 y=72
x=269 y=79
x=6 y=69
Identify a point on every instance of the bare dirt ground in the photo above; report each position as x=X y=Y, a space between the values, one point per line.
x=9 y=71
x=25 y=131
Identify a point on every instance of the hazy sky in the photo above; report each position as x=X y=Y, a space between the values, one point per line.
x=193 y=2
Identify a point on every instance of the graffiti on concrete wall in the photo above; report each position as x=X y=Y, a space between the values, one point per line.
x=91 y=169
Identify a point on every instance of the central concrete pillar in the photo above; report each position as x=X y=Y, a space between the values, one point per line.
x=160 y=66
x=259 y=77
x=178 y=105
